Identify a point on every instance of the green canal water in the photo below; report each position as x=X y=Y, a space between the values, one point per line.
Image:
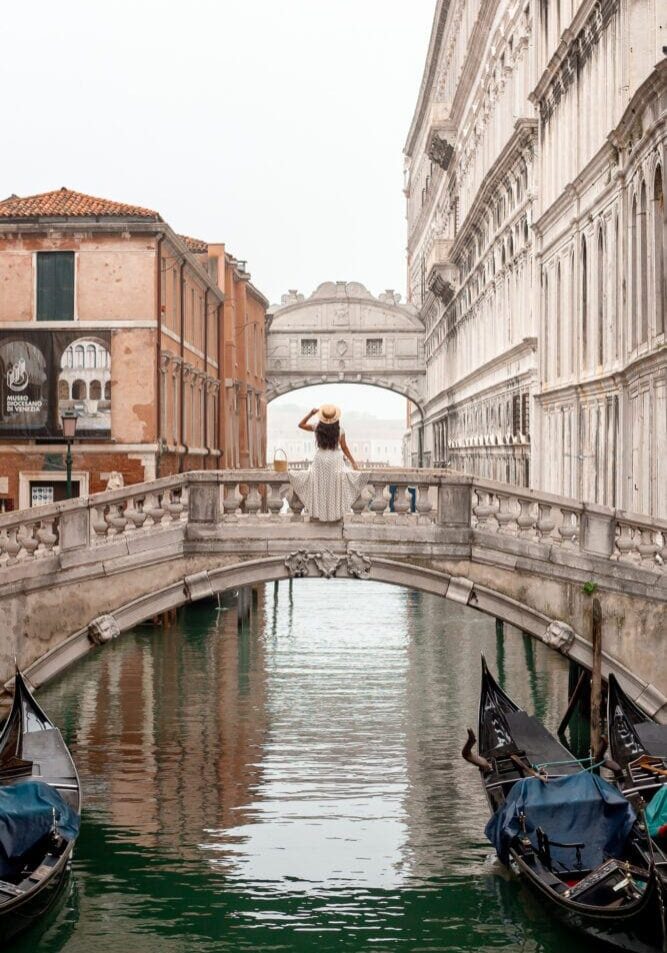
x=297 y=787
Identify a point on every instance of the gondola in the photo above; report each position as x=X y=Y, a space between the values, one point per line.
x=636 y=743
x=638 y=748
x=570 y=835
x=40 y=801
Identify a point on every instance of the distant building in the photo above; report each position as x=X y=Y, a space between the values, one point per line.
x=537 y=234
x=370 y=439
x=155 y=340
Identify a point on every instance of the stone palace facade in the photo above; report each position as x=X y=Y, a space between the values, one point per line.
x=535 y=180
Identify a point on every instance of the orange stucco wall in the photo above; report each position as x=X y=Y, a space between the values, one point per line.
x=188 y=385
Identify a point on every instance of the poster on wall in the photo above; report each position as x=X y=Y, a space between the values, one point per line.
x=43 y=373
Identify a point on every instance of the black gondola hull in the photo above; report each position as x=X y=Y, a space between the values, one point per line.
x=29 y=910
x=508 y=740
x=638 y=930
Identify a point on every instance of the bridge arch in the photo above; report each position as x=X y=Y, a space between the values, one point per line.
x=343 y=334
x=236 y=574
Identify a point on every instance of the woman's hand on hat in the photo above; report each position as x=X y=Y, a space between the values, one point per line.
x=314 y=411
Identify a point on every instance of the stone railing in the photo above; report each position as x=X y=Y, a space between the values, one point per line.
x=428 y=501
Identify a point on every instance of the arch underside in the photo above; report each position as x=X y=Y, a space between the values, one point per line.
x=276 y=386
x=209 y=583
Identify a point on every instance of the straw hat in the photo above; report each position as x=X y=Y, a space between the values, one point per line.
x=329 y=414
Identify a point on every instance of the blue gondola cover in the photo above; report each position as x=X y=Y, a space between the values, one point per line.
x=26 y=816
x=656 y=814
x=579 y=808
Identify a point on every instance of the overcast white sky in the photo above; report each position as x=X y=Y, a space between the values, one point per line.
x=276 y=126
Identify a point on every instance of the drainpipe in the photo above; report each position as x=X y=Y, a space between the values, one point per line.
x=158 y=354
x=206 y=376
x=182 y=409
x=221 y=389
x=420 y=438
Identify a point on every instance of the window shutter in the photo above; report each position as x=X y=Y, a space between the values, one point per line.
x=55 y=286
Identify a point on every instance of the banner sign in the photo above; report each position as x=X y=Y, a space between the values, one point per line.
x=43 y=373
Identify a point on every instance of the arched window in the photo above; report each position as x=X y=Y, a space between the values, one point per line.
x=79 y=390
x=90 y=355
x=584 y=302
x=659 y=249
x=95 y=390
x=79 y=355
x=643 y=263
x=558 y=321
x=601 y=295
x=107 y=390
x=63 y=390
x=69 y=357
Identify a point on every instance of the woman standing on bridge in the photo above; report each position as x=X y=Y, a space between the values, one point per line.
x=328 y=488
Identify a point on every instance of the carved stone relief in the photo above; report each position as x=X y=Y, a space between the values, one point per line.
x=357 y=564
x=559 y=635
x=103 y=629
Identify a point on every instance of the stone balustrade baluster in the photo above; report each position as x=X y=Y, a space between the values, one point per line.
x=360 y=506
x=27 y=539
x=506 y=515
x=12 y=545
x=648 y=547
x=295 y=505
x=423 y=505
x=402 y=501
x=47 y=533
x=526 y=519
x=380 y=499
x=116 y=517
x=253 y=500
x=569 y=528
x=485 y=511
x=231 y=501
x=624 y=543
x=135 y=512
x=154 y=507
x=545 y=521
x=99 y=522
x=173 y=504
x=274 y=498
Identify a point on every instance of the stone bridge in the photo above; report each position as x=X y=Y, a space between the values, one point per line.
x=343 y=334
x=76 y=574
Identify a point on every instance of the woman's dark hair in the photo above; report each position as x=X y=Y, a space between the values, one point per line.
x=327 y=435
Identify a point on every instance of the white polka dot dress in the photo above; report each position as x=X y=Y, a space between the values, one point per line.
x=329 y=488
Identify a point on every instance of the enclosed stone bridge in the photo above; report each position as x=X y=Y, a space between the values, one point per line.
x=74 y=575
x=343 y=334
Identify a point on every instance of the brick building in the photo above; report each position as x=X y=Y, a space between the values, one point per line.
x=155 y=340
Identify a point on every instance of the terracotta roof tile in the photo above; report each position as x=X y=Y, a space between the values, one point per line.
x=195 y=245
x=64 y=203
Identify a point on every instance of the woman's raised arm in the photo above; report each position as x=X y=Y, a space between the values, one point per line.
x=304 y=425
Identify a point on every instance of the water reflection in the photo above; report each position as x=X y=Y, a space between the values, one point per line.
x=296 y=784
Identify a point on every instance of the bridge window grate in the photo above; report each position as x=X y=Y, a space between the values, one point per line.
x=374 y=347
x=309 y=347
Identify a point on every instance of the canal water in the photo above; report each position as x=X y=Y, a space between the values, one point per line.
x=296 y=787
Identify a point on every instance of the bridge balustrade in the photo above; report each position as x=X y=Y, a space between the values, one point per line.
x=442 y=499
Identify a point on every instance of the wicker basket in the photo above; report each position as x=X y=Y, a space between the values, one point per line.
x=280 y=465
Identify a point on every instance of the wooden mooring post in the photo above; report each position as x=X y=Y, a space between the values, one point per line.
x=243 y=607
x=596 y=681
